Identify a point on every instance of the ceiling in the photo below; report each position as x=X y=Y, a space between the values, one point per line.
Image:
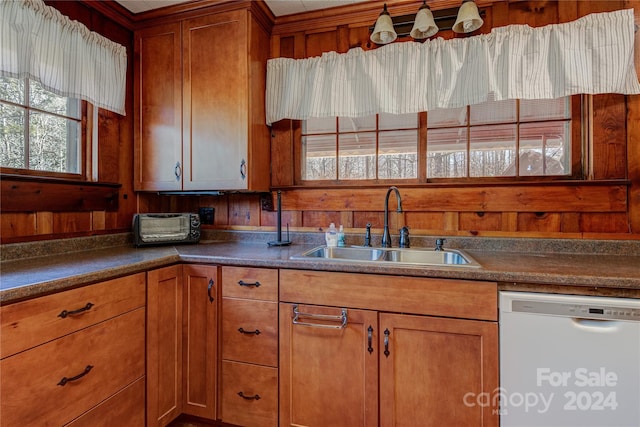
x=278 y=7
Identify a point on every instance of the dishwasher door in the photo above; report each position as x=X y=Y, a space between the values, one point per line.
x=569 y=361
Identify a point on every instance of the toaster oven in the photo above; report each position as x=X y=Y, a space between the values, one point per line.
x=165 y=228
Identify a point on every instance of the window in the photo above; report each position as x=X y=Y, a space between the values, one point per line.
x=505 y=139
x=382 y=146
x=39 y=130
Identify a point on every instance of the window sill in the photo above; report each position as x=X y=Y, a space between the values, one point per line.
x=32 y=194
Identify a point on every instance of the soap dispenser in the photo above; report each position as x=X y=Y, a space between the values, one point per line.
x=331 y=236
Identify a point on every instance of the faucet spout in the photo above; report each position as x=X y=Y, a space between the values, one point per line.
x=386 y=236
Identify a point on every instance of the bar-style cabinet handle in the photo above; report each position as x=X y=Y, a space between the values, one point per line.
x=66 y=380
x=66 y=313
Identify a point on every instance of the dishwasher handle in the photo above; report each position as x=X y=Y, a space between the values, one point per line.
x=596 y=325
x=342 y=318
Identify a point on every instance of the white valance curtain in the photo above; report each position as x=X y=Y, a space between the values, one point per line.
x=39 y=42
x=591 y=55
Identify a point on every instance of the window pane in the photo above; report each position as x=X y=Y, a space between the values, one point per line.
x=447 y=117
x=545 y=109
x=357 y=155
x=447 y=153
x=12 y=89
x=492 y=150
x=356 y=124
x=544 y=148
x=319 y=154
x=398 y=155
x=12 y=136
x=42 y=99
x=398 y=121
x=323 y=125
x=493 y=112
x=53 y=144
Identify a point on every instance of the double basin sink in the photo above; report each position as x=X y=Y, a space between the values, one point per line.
x=392 y=256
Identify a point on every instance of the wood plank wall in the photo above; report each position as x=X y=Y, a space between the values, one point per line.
x=608 y=206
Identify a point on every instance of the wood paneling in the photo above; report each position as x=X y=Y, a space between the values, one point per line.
x=19 y=194
x=609 y=137
x=489 y=198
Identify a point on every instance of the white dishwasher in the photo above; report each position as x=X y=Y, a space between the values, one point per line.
x=568 y=361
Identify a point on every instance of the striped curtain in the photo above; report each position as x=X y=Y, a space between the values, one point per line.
x=38 y=42
x=591 y=55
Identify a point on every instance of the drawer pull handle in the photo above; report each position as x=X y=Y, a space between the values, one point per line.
x=342 y=318
x=65 y=313
x=243 y=283
x=242 y=331
x=370 y=339
x=209 y=290
x=254 y=397
x=66 y=380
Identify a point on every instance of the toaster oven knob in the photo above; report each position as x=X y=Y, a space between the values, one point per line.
x=195 y=234
x=195 y=221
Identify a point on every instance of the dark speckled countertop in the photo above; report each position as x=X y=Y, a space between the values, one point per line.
x=29 y=276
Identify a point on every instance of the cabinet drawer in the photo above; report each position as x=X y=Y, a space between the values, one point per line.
x=250 y=283
x=466 y=299
x=258 y=340
x=29 y=323
x=250 y=381
x=34 y=391
x=124 y=409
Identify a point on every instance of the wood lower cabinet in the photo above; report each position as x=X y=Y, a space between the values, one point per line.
x=72 y=354
x=200 y=340
x=182 y=342
x=164 y=345
x=249 y=395
x=328 y=366
x=429 y=367
x=426 y=366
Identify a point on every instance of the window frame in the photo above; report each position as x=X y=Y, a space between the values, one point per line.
x=579 y=157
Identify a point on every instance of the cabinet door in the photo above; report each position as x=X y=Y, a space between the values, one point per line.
x=434 y=370
x=164 y=345
x=158 y=109
x=328 y=372
x=215 y=105
x=200 y=338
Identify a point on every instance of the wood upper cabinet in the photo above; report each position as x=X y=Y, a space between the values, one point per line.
x=200 y=121
x=164 y=345
x=200 y=340
x=158 y=108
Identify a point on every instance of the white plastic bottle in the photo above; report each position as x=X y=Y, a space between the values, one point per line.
x=331 y=236
x=341 y=241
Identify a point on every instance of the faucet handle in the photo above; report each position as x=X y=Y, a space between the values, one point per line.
x=404 y=237
x=440 y=243
x=367 y=236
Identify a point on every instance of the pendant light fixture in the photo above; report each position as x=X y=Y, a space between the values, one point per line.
x=468 y=18
x=424 y=25
x=383 y=32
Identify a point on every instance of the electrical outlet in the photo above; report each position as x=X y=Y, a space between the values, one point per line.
x=206 y=215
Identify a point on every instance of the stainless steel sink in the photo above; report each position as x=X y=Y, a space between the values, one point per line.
x=392 y=256
x=344 y=253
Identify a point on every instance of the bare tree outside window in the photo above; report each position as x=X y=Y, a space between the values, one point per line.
x=509 y=139
x=39 y=130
